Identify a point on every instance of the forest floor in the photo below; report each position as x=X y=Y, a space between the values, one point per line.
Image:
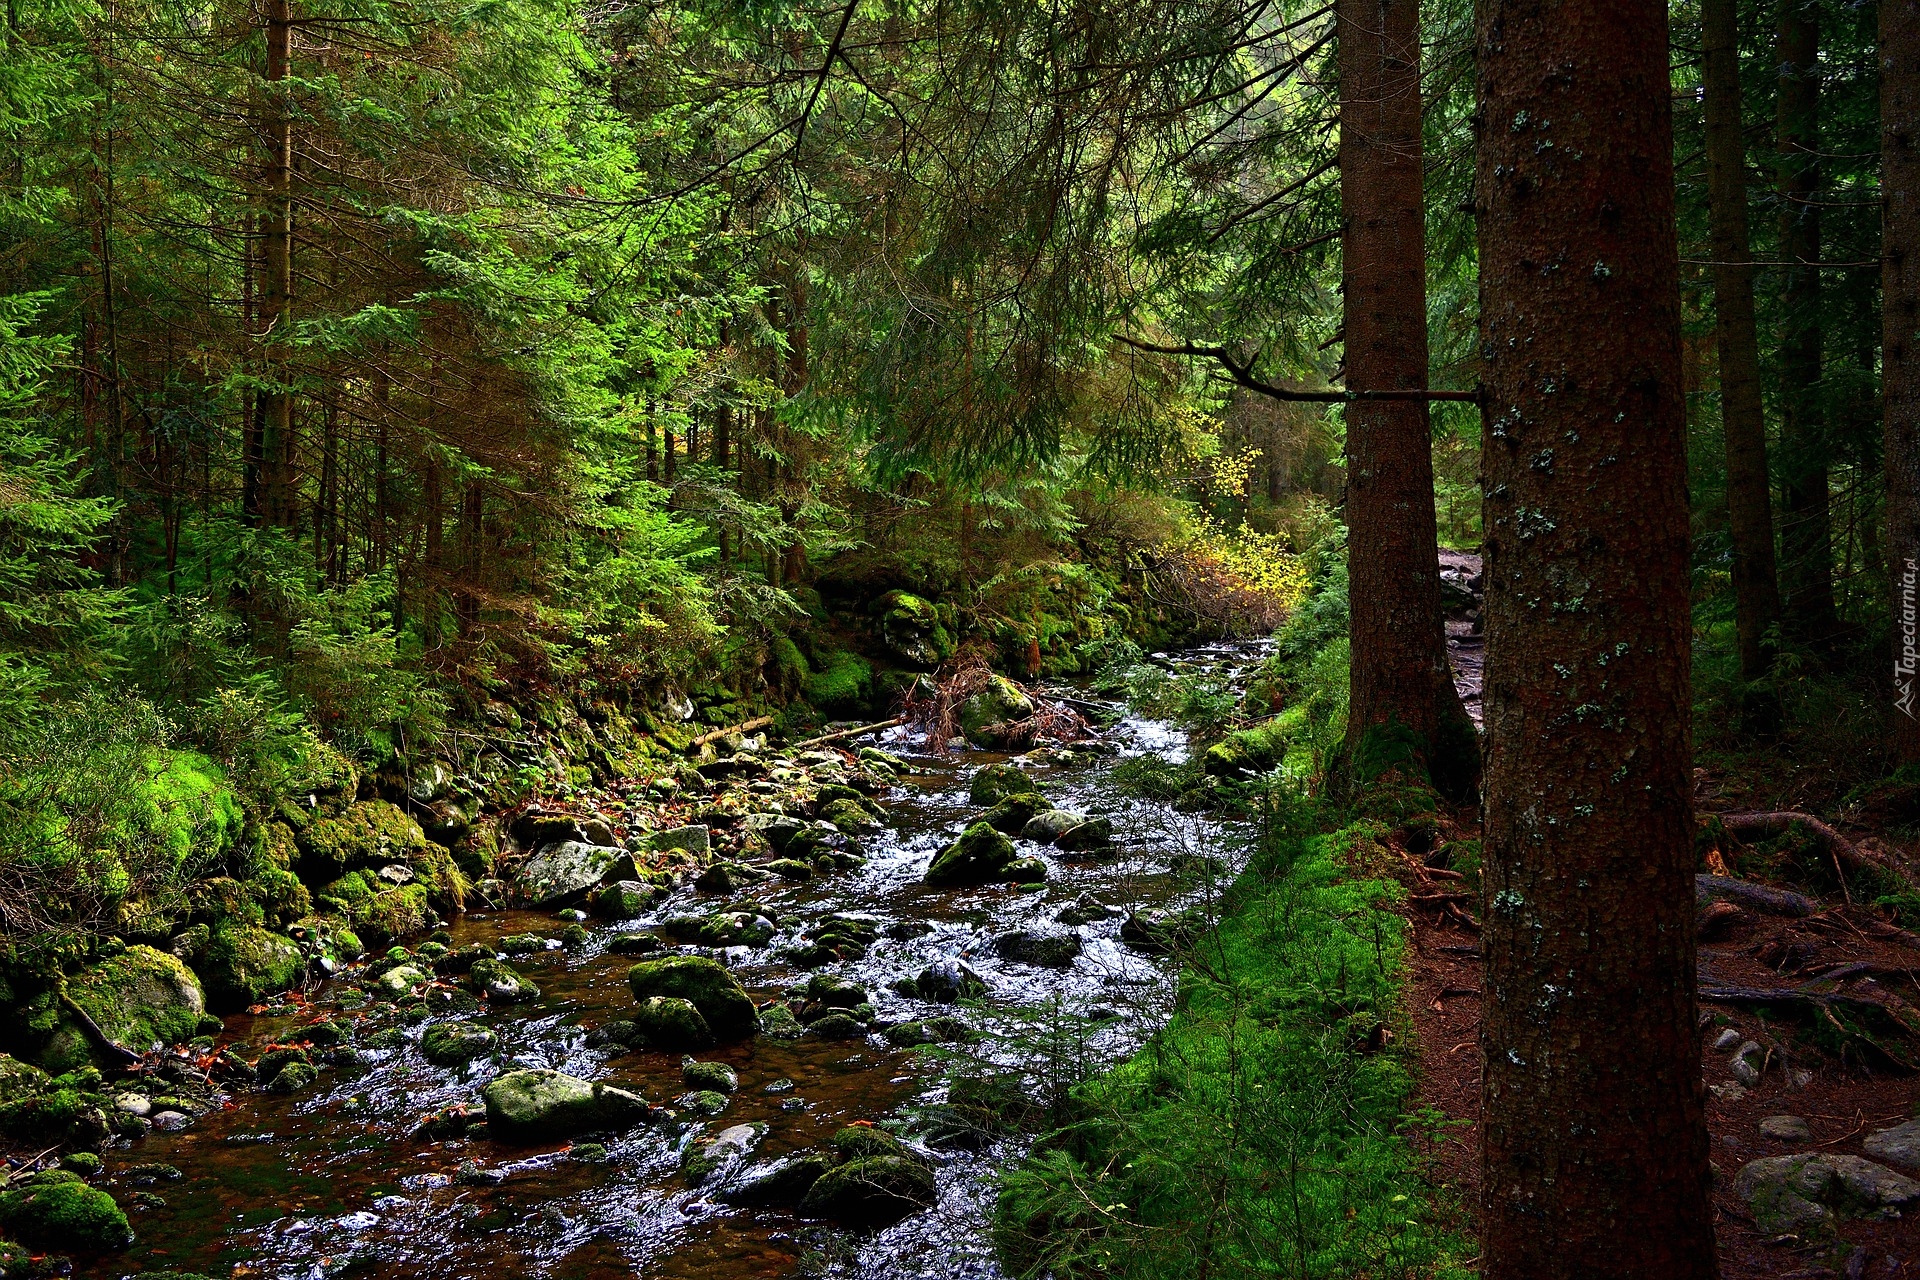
x=1842 y=1097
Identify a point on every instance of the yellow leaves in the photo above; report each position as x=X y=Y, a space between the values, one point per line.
x=1254 y=562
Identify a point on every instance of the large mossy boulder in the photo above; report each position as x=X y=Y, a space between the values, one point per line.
x=560 y=872
x=980 y=856
x=1246 y=752
x=1012 y=814
x=880 y=1185
x=369 y=834
x=705 y=984
x=1805 y=1191
x=454 y=1044
x=540 y=1105
x=995 y=782
x=58 y=1210
x=671 y=1024
x=997 y=714
x=911 y=629
x=242 y=965
x=141 y=999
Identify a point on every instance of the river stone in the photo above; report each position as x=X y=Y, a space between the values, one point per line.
x=242 y=965
x=143 y=999
x=688 y=839
x=705 y=1102
x=706 y=984
x=291 y=1078
x=1786 y=1129
x=948 y=981
x=1047 y=949
x=727 y=1147
x=716 y=1076
x=849 y=817
x=667 y=1022
x=1027 y=873
x=1011 y=814
x=1795 y=1192
x=453 y=1044
x=58 y=1210
x=992 y=717
x=726 y=877
x=634 y=944
x=836 y=1026
x=995 y=782
x=398 y=982
x=1899 y=1145
x=560 y=872
x=870 y=1192
x=936 y=1030
x=1089 y=837
x=791 y=869
x=501 y=982
x=622 y=900
x=1050 y=824
x=778 y=1022
x=538 y=1105
x=980 y=856
x=780 y=1183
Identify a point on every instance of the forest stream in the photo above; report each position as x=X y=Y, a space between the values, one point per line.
x=334 y=1181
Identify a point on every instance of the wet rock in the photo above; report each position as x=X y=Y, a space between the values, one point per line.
x=560 y=872
x=521 y=944
x=1011 y=814
x=707 y=984
x=471 y=1173
x=725 y=1149
x=722 y=929
x=778 y=1022
x=1899 y=1145
x=838 y=937
x=632 y=944
x=622 y=900
x=291 y=1078
x=1093 y=836
x=456 y=1121
x=538 y=1105
x=461 y=960
x=588 y=1153
x=398 y=983
x=835 y=1026
x=1028 y=874
x=143 y=999
x=823 y=994
x=454 y=1044
x=728 y=877
x=937 y=1030
x=1047 y=949
x=58 y=1210
x=501 y=983
x=1049 y=825
x=980 y=856
x=849 y=817
x=716 y=1076
x=1796 y=1192
x=791 y=869
x=1786 y=1129
x=781 y=1183
x=993 y=783
x=705 y=1102
x=1085 y=909
x=998 y=715
x=910 y=627
x=672 y=1024
x=870 y=1192
x=241 y=965
x=950 y=981
x=688 y=839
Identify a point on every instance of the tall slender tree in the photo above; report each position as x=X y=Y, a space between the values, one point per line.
x=1899 y=360
x=1756 y=586
x=1806 y=520
x=1594 y=1140
x=1400 y=677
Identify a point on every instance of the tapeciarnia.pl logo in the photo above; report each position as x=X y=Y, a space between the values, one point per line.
x=1908 y=660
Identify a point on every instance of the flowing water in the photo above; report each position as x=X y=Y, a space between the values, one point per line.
x=329 y=1182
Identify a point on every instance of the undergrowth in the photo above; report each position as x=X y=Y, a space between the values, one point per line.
x=1264 y=1130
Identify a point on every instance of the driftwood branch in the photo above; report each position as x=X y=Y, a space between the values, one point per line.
x=117 y=1054
x=836 y=736
x=745 y=726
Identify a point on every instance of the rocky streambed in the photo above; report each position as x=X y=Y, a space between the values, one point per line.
x=770 y=1045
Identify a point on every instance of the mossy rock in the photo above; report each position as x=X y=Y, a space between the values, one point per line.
x=706 y=984
x=992 y=716
x=20 y=1080
x=538 y=1105
x=671 y=1024
x=1246 y=752
x=910 y=627
x=1012 y=813
x=849 y=817
x=715 y=1076
x=501 y=982
x=371 y=833
x=454 y=1044
x=873 y=1191
x=282 y=898
x=141 y=998
x=242 y=966
x=980 y=856
x=995 y=782
x=842 y=686
x=396 y=913
x=60 y=1211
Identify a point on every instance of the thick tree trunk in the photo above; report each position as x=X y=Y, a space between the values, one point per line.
x=1806 y=521
x=1401 y=680
x=1594 y=1141
x=276 y=285
x=1899 y=360
x=1756 y=588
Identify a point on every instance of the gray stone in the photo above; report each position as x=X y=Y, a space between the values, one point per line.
x=980 y=856
x=722 y=1151
x=560 y=872
x=537 y=1105
x=1050 y=825
x=1047 y=949
x=1899 y=1145
x=1797 y=1192
x=501 y=982
x=689 y=839
x=1726 y=1039
x=947 y=981
x=454 y=1044
x=1786 y=1129
x=397 y=983
x=715 y=1076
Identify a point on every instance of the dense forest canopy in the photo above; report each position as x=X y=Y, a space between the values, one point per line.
x=548 y=394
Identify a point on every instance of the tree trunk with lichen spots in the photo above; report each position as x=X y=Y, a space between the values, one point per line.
x=1594 y=1141
x=1899 y=362
x=1401 y=681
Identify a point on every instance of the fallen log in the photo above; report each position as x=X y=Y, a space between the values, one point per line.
x=1745 y=893
x=1846 y=855
x=745 y=726
x=825 y=738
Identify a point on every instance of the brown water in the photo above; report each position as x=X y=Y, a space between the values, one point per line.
x=329 y=1182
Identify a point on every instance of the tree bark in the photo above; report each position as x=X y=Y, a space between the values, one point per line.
x=1594 y=1143
x=1401 y=682
x=1756 y=586
x=1899 y=361
x=1806 y=521
x=276 y=292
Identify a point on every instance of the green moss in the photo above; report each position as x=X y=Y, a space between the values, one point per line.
x=242 y=965
x=187 y=806
x=371 y=833
x=139 y=998
x=396 y=913
x=844 y=683
x=60 y=1211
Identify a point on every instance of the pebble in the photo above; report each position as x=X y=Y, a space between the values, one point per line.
x=1726 y=1040
x=1786 y=1129
x=169 y=1121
